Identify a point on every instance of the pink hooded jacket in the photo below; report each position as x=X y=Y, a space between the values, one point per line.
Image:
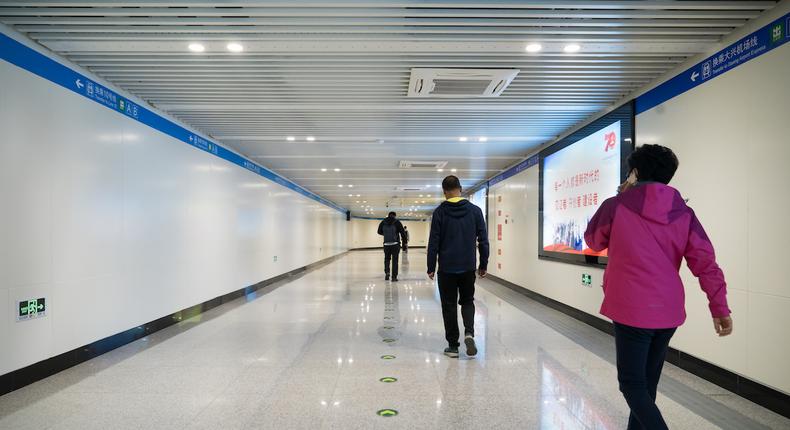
x=648 y=231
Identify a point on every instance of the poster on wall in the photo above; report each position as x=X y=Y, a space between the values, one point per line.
x=577 y=175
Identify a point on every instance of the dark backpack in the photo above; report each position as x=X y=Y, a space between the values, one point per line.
x=390 y=232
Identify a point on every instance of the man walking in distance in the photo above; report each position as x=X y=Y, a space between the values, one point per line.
x=393 y=232
x=406 y=239
x=456 y=227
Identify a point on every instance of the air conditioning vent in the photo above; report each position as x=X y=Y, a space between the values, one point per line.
x=460 y=82
x=408 y=164
x=407 y=189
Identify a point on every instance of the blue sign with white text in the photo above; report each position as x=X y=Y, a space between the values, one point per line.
x=748 y=48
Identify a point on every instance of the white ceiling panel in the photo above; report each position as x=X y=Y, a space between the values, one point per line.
x=338 y=71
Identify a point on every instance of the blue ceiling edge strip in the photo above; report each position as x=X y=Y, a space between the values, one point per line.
x=41 y=65
x=745 y=49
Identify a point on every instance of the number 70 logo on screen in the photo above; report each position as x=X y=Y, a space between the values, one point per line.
x=611 y=141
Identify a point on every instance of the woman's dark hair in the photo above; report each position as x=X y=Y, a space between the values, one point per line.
x=653 y=163
x=451 y=183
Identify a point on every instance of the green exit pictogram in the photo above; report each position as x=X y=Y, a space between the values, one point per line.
x=388 y=380
x=387 y=413
x=777 y=32
x=586 y=279
x=33 y=308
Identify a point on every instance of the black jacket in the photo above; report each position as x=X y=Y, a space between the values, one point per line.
x=392 y=230
x=455 y=230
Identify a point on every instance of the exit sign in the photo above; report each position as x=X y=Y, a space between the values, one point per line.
x=29 y=309
x=586 y=280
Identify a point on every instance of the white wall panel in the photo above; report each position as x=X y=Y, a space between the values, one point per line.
x=25 y=194
x=731 y=136
x=117 y=224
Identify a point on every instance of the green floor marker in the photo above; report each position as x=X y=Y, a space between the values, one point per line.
x=387 y=413
x=388 y=327
x=389 y=340
x=388 y=379
x=387 y=357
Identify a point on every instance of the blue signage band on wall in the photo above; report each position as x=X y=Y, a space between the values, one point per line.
x=746 y=49
x=518 y=168
x=39 y=64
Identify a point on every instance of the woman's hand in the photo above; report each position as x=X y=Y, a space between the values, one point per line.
x=723 y=326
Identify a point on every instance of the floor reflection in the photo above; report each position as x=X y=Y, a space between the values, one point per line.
x=567 y=401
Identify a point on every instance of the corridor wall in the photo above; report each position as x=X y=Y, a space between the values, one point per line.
x=117 y=224
x=731 y=136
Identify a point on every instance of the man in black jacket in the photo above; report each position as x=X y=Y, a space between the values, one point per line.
x=392 y=230
x=456 y=226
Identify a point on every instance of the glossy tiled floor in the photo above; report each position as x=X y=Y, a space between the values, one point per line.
x=307 y=355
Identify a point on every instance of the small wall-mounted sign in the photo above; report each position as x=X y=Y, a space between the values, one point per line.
x=586 y=280
x=33 y=308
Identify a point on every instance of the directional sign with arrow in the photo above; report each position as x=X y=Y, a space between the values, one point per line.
x=79 y=84
x=694 y=76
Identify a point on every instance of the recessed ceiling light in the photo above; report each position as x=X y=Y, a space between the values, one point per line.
x=196 y=47
x=429 y=195
x=323 y=170
x=350 y=186
x=440 y=170
x=427 y=185
x=453 y=170
x=357 y=201
x=359 y=195
x=482 y=139
x=420 y=195
x=571 y=48
x=351 y=195
x=234 y=47
x=534 y=47
x=336 y=169
x=340 y=185
x=310 y=138
x=462 y=139
x=290 y=138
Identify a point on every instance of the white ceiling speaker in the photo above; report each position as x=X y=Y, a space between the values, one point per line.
x=459 y=83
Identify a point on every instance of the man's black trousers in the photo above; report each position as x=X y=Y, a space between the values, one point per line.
x=460 y=288
x=391 y=253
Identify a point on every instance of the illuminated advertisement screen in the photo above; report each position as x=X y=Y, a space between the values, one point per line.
x=480 y=198
x=577 y=175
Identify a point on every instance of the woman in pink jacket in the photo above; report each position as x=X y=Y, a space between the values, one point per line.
x=648 y=230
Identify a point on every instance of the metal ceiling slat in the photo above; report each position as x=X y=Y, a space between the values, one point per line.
x=477 y=4
x=360 y=30
x=380 y=12
x=350 y=24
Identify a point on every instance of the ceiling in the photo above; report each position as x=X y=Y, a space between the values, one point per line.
x=339 y=71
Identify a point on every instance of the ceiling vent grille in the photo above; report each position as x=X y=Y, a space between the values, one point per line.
x=407 y=164
x=460 y=82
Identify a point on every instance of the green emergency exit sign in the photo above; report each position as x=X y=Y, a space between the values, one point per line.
x=33 y=308
x=586 y=279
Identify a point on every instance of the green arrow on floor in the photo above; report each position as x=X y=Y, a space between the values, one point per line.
x=387 y=357
x=387 y=413
x=388 y=379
